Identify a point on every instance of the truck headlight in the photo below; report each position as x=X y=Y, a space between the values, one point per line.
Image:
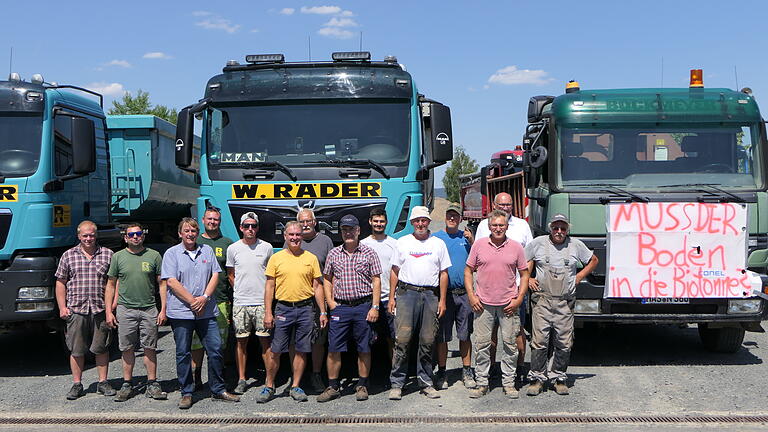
x=587 y=306
x=34 y=292
x=34 y=307
x=744 y=306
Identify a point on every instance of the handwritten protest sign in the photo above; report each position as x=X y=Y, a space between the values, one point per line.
x=677 y=250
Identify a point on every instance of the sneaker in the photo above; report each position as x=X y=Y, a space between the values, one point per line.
x=430 y=392
x=298 y=394
x=185 y=402
x=155 y=392
x=439 y=380
x=468 y=378
x=265 y=395
x=478 y=392
x=535 y=388
x=361 y=393
x=124 y=393
x=76 y=391
x=511 y=392
x=241 y=387
x=561 y=387
x=329 y=394
x=316 y=383
x=395 y=394
x=104 y=388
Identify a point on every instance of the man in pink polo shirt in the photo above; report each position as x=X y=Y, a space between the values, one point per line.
x=496 y=300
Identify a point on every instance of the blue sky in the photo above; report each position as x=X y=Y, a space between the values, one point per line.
x=483 y=59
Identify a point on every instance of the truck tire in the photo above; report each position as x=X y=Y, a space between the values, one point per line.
x=725 y=340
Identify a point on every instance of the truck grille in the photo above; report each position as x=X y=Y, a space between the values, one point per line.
x=274 y=214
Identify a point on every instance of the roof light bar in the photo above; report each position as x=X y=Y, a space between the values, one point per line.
x=697 y=78
x=265 y=58
x=351 y=56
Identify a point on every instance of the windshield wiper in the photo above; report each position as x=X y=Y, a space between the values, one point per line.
x=614 y=189
x=354 y=162
x=724 y=194
x=267 y=165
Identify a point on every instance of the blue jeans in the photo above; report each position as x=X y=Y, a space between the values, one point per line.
x=208 y=330
x=416 y=314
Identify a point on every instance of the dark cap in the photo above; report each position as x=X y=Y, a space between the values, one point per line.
x=559 y=217
x=453 y=207
x=349 y=220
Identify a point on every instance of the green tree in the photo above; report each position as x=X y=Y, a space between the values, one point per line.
x=140 y=104
x=460 y=165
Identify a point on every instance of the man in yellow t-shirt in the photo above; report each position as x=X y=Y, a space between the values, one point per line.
x=293 y=278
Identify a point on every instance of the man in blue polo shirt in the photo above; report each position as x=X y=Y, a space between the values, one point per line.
x=192 y=272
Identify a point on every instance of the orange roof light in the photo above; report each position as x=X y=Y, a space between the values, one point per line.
x=697 y=78
x=572 y=86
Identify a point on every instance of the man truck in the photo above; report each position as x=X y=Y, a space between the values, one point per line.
x=338 y=137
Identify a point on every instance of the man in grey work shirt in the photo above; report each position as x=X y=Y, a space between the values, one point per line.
x=191 y=272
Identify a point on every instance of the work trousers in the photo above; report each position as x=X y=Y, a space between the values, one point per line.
x=416 y=315
x=481 y=342
x=551 y=317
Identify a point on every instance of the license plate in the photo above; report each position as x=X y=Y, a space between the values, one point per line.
x=666 y=300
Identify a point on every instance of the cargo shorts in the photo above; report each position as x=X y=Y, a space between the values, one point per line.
x=88 y=333
x=247 y=319
x=136 y=325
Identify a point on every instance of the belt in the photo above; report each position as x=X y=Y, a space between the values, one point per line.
x=355 y=302
x=459 y=291
x=418 y=288
x=300 y=303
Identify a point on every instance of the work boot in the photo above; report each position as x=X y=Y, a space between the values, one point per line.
x=478 y=392
x=298 y=394
x=361 y=393
x=468 y=378
x=511 y=392
x=535 y=388
x=439 y=380
x=430 y=392
x=395 y=394
x=561 y=387
x=155 y=392
x=124 y=393
x=328 y=394
x=241 y=387
x=104 y=388
x=225 y=396
x=316 y=383
x=265 y=395
x=185 y=402
x=76 y=391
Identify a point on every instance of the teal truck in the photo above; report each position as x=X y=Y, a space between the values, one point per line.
x=669 y=187
x=60 y=164
x=338 y=137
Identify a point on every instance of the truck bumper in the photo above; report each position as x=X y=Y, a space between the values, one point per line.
x=35 y=304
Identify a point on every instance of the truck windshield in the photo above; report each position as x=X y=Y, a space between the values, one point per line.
x=299 y=133
x=645 y=158
x=19 y=143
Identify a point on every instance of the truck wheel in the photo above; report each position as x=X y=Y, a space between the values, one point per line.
x=725 y=340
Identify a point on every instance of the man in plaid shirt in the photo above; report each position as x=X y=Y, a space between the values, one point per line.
x=80 y=281
x=352 y=285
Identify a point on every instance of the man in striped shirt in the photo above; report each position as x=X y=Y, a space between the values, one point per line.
x=352 y=285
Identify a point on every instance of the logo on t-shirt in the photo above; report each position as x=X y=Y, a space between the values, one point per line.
x=145 y=267
x=420 y=254
x=219 y=252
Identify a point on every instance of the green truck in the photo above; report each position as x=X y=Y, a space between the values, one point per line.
x=668 y=187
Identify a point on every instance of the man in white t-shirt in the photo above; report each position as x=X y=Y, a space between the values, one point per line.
x=519 y=231
x=420 y=273
x=384 y=246
x=246 y=263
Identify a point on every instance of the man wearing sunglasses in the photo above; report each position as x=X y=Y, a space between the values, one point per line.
x=556 y=258
x=246 y=263
x=138 y=270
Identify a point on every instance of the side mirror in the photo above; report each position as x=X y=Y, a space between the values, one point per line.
x=441 y=134
x=83 y=146
x=536 y=106
x=184 y=138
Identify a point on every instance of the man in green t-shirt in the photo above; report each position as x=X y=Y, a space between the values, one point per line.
x=137 y=269
x=223 y=294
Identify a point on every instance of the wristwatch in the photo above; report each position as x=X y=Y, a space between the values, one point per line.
x=206 y=297
x=375 y=307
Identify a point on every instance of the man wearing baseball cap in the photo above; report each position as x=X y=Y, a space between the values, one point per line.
x=420 y=273
x=246 y=263
x=556 y=258
x=352 y=285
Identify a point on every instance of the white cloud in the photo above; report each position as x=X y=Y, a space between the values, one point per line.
x=255 y=30
x=218 y=23
x=340 y=22
x=335 y=32
x=511 y=75
x=346 y=13
x=287 y=11
x=121 y=63
x=107 y=89
x=321 y=10
x=201 y=13
x=156 y=55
